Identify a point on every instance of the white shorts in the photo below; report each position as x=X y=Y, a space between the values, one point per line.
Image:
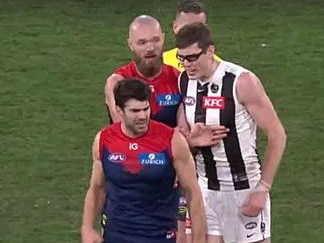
x=224 y=218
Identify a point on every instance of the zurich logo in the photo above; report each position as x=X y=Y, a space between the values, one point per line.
x=168 y=97
x=151 y=156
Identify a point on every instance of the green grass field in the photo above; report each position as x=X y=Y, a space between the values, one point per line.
x=55 y=57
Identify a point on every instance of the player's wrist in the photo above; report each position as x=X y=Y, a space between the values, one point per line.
x=263 y=186
x=266 y=184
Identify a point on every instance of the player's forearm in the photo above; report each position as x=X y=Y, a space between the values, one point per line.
x=93 y=204
x=197 y=216
x=115 y=117
x=275 y=149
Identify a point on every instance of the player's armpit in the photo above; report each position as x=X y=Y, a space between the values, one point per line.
x=109 y=96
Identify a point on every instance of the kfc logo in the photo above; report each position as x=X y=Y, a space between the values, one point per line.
x=214 y=102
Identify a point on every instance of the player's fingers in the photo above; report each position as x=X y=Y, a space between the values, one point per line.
x=218 y=137
x=250 y=211
x=246 y=211
x=220 y=131
x=216 y=127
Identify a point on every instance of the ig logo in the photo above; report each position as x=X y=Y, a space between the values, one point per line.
x=133 y=146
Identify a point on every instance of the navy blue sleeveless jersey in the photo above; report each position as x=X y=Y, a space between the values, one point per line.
x=141 y=203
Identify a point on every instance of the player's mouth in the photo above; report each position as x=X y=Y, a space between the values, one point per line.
x=191 y=72
x=141 y=123
x=150 y=56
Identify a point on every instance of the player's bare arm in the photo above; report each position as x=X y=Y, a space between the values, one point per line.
x=252 y=94
x=185 y=169
x=95 y=197
x=109 y=95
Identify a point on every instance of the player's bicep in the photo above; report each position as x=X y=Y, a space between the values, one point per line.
x=183 y=162
x=97 y=177
x=253 y=96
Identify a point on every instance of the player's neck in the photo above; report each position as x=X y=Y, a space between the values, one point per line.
x=130 y=133
x=210 y=71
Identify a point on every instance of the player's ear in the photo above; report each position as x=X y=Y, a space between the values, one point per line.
x=163 y=37
x=129 y=42
x=174 y=27
x=211 y=50
x=119 y=109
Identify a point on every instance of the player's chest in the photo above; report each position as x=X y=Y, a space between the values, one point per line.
x=134 y=160
x=208 y=104
x=165 y=94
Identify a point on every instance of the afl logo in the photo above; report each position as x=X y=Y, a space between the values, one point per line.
x=251 y=225
x=189 y=100
x=117 y=157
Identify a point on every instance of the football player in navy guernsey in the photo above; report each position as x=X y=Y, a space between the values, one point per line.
x=135 y=163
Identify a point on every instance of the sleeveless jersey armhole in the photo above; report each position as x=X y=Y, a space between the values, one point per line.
x=101 y=144
x=183 y=83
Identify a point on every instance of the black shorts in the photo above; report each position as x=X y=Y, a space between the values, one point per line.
x=114 y=238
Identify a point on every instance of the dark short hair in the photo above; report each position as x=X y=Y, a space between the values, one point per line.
x=190 y=7
x=131 y=88
x=194 y=33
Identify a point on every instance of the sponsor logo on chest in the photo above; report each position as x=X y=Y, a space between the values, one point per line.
x=117 y=157
x=168 y=99
x=189 y=100
x=216 y=102
x=152 y=158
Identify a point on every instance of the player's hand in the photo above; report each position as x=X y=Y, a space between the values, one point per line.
x=90 y=235
x=255 y=204
x=202 y=135
x=176 y=182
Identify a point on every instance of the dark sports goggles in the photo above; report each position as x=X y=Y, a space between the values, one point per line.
x=189 y=58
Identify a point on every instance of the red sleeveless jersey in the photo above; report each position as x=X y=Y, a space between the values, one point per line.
x=165 y=98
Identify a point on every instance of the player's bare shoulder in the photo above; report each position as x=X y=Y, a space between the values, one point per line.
x=248 y=87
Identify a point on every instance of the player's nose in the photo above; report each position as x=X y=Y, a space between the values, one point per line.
x=142 y=115
x=149 y=47
x=186 y=63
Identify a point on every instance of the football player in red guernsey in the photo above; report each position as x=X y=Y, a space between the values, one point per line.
x=135 y=163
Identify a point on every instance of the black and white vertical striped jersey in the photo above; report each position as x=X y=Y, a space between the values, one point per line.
x=234 y=163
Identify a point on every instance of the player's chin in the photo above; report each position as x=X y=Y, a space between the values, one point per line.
x=151 y=62
x=141 y=128
x=192 y=74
